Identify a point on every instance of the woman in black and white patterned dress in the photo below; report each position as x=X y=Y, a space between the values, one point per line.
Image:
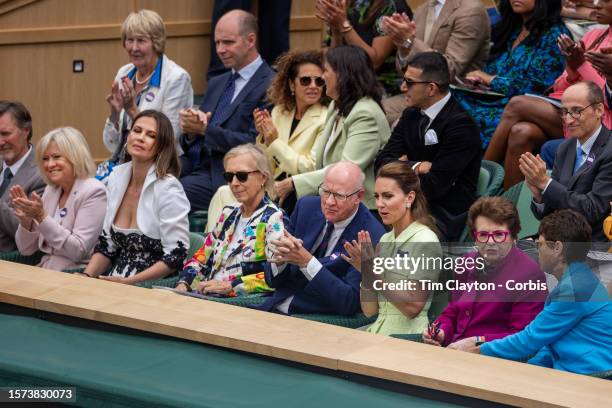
x=146 y=230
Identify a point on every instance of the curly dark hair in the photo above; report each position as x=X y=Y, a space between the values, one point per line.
x=546 y=14
x=356 y=77
x=288 y=66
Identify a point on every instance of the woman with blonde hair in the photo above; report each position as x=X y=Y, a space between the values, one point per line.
x=65 y=222
x=235 y=252
x=401 y=205
x=151 y=80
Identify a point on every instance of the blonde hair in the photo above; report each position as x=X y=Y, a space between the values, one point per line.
x=261 y=162
x=145 y=23
x=72 y=146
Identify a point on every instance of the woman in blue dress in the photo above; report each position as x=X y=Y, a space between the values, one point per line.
x=524 y=59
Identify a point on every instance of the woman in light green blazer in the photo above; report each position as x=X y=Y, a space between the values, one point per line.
x=394 y=290
x=355 y=127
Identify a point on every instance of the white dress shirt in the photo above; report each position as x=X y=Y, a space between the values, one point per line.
x=245 y=75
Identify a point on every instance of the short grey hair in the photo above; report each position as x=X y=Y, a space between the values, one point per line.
x=145 y=23
x=261 y=162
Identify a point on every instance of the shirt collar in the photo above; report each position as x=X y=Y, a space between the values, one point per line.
x=588 y=145
x=17 y=165
x=156 y=77
x=248 y=71
x=435 y=109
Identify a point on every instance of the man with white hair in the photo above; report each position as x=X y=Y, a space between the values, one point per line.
x=309 y=274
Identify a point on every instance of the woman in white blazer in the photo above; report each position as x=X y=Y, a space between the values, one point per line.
x=150 y=81
x=65 y=223
x=146 y=232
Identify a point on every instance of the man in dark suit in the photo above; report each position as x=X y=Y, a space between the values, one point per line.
x=581 y=179
x=225 y=118
x=17 y=166
x=309 y=274
x=440 y=139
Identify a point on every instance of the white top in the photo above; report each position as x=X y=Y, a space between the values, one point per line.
x=246 y=74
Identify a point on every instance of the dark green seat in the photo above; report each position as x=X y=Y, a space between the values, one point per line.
x=490 y=179
x=521 y=197
x=197 y=221
x=352 y=322
x=606 y=375
x=418 y=338
x=15 y=256
x=242 y=301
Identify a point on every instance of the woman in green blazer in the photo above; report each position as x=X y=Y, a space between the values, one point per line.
x=355 y=127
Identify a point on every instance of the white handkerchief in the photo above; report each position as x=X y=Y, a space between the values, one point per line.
x=431 y=137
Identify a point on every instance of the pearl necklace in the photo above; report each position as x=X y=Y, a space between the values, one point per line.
x=144 y=81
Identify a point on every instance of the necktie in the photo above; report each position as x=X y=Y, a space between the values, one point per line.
x=322 y=248
x=423 y=123
x=6 y=180
x=579 y=159
x=431 y=18
x=225 y=101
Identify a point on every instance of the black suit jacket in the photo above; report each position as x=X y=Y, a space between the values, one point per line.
x=237 y=126
x=589 y=190
x=450 y=185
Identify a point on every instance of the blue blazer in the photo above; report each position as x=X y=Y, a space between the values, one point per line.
x=573 y=332
x=335 y=288
x=237 y=126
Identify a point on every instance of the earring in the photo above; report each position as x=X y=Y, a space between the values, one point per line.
x=408 y=205
x=292 y=93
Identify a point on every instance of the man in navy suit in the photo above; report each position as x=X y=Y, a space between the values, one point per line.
x=308 y=273
x=225 y=118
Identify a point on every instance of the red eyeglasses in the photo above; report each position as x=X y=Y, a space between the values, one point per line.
x=484 y=236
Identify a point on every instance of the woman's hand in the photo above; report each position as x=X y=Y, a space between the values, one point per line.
x=128 y=95
x=333 y=12
x=359 y=252
x=573 y=52
x=181 y=287
x=467 y=344
x=399 y=28
x=215 y=286
x=283 y=188
x=25 y=207
x=480 y=78
x=434 y=342
x=115 y=102
x=264 y=126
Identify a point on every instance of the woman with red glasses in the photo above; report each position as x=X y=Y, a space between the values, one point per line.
x=475 y=314
x=289 y=132
x=234 y=254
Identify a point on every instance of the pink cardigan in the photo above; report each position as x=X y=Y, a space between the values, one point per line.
x=69 y=242
x=586 y=72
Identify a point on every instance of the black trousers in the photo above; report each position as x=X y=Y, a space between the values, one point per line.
x=273 y=37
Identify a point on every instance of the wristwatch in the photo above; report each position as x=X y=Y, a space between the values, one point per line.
x=346 y=27
x=407 y=43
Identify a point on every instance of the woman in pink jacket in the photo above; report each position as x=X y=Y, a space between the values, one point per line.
x=66 y=221
x=529 y=121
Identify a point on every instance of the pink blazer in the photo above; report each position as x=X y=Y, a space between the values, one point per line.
x=69 y=242
x=586 y=72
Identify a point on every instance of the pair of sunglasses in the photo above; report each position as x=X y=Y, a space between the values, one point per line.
x=306 y=81
x=242 y=176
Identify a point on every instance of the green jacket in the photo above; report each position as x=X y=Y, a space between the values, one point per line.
x=359 y=138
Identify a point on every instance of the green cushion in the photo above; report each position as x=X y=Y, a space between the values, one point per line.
x=521 y=196
x=197 y=221
x=494 y=181
x=165 y=282
x=606 y=375
x=243 y=300
x=15 y=256
x=196 y=241
x=352 y=322
x=412 y=337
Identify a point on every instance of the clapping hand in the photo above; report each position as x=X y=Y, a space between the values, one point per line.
x=333 y=12
x=572 y=50
x=601 y=61
x=27 y=209
x=399 y=28
x=478 y=77
x=194 y=121
x=289 y=249
x=264 y=126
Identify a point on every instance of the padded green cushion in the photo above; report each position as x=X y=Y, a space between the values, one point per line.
x=606 y=375
x=352 y=322
x=112 y=369
x=495 y=179
x=418 y=338
x=197 y=221
x=15 y=256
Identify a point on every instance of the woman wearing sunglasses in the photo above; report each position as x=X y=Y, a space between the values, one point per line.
x=355 y=127
x=476 y=315
x=289 y=132
x=235 y=252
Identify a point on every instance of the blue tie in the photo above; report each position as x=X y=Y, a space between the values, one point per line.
x=8 y=175
x=322 y=248
x=225 y=101
x=579 y=159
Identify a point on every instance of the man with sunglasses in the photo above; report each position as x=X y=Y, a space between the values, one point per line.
x=582 y=174
x=440 y=140
x=309 y=275
x=225 y=117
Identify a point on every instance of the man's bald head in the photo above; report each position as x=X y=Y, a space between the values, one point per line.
x=236 y=39
x=244 y=22
x=342 y=179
